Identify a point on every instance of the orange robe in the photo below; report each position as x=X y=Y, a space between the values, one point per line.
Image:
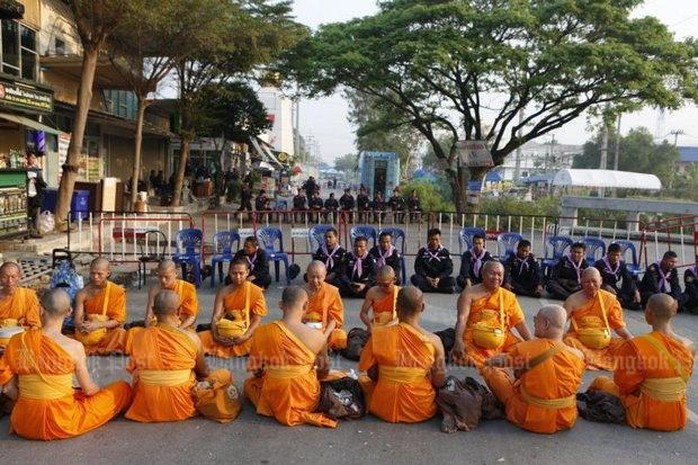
x=234 y=305
x=48 y=407
x=642 y=369
x=590 y=315
x=403 y=391
x=189 y=307
x=22 y=306
x=384 y=310
x=542 y=400
x=288 y=389
x=325 y=305
x=115 y=339
x=162 y=362
x=499 y=310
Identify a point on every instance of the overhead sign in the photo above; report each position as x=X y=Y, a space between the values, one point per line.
x=25 y=97
x=474 y=154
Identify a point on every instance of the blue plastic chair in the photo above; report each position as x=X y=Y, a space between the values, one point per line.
x=596 y=249
x=555 y=248
x=316 y=235
x=223 y=252
x=268 y=238
x=188 y=243
x=633 y=265
x=367 y=231
x=508 y=242
x=465 y=238
x=399 y=243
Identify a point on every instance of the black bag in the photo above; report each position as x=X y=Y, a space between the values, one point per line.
x=293 y=271
x=356 y=340
x=601 y=407
x=342 y=398
x=463 y=404
x=448 y=339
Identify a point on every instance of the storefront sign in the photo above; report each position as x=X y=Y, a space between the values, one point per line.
x=474 y=154
x=25 y=97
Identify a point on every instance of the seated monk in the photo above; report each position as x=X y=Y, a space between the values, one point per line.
x=405 y=364
x=381 y=299
x=19 y=306
x=487 y=313
x=100 y=312
x=540 y=394
x=653 y=371
x=167 y=280
x=166 y=361
x=283 y=360
x=325 y=308
x=41 y=363
x=593 y=312
x=237 y=311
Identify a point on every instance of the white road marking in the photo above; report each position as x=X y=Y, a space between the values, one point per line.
x=692 y=416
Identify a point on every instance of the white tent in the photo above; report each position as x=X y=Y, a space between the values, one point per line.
x=606 y=178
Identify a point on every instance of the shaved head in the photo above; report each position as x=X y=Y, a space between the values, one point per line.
x=166 y=265
x=316 y=266
x=591 y=272
x=166 y=302
x=491 y=264
x=663 y=307
x=386 y=273
x=56 y=303
x=410 y=301
x=554 y=314
x=294 y=300
x=10 y=266
x=100 y=262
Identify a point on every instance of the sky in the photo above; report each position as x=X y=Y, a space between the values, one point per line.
x=325 y=120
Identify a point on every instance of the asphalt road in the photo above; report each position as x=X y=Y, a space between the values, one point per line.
x=255 y=439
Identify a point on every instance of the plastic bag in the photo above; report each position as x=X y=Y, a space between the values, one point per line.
x=45 y=222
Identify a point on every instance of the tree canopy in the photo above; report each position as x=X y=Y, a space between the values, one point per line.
x=637 y=153
x=472 y=67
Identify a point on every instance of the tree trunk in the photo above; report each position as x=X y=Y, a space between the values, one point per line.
x=70 y=169
x=135 y=174
x=181 y=167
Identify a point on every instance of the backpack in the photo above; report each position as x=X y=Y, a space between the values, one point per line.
x=65 y=277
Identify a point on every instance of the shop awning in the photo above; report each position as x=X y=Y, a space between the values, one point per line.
x=264 y=151
x=607 y=178
x=28 y=122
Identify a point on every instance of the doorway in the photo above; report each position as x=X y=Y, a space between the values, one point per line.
x=380 y=168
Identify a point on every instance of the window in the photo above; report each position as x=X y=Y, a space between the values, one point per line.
x=18 y=55
x=59 y=46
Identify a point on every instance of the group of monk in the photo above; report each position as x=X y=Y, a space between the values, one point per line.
x=536 y=376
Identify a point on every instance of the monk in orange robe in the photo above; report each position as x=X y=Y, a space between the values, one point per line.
x=325 y=308
x=237 y=312
x=405 y=364
x=167 y=280
x=381 y=300
x=19 y=306
x=283 y=359
x=540 y=394
x=487 y=313
x=166 y=361
x=593 y=313
x=37 y=370
x=100 y=312
x=653 y=371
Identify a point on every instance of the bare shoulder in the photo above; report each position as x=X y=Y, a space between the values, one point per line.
x=574 y=301
x=72 y=346
x=435 y=340
x=193 y=336
x=372 y=293
x=224 y=291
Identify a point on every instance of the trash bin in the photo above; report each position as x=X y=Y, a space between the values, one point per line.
x=48 y=200
x=80 y=206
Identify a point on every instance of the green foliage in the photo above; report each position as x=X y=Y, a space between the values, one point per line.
x=231 y=110
x=470 y=67
x=637 y=153
x=348 y=163
x=431 y=197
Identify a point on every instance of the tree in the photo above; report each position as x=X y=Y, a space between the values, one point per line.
x=471 y=67
x=348 y=163
x=381 y=128
x=231 y=110
x=95 y=20
x=247 y=33
x=149 y=43
x=637 y=153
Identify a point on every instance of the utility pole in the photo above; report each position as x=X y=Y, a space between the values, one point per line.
x=616 y=155
x=604 y=148
x=676 y=133
x=517 y=165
